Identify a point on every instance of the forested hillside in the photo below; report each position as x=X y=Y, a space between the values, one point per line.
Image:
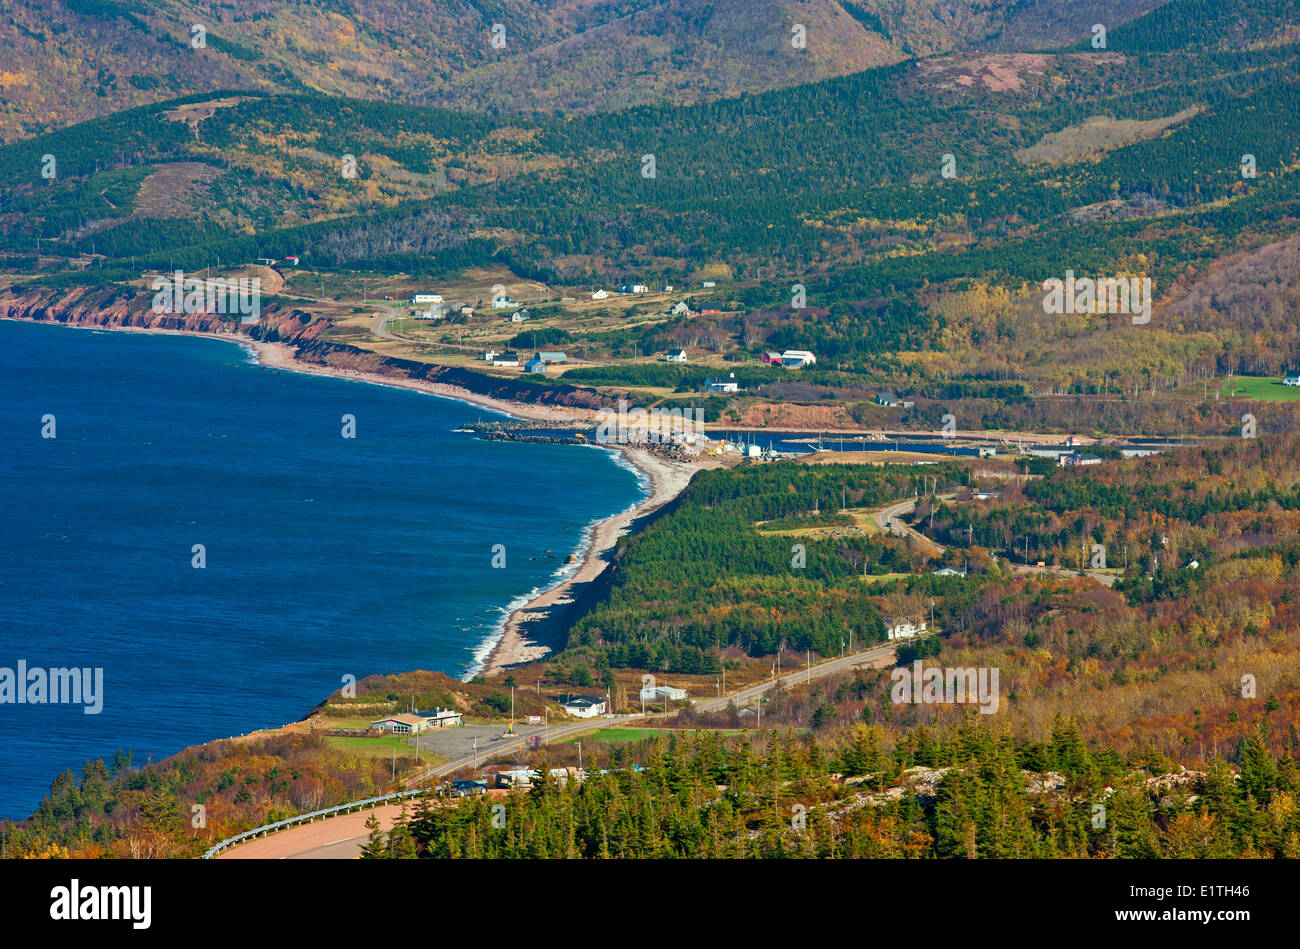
x=69 y=60
x=1127 y=160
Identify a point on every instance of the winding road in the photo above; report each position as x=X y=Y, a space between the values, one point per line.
x=343 y=836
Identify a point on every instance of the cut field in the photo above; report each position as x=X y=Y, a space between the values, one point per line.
x=1259 y=387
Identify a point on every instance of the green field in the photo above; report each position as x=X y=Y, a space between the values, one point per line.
x=381 y=747
x=1258 y=387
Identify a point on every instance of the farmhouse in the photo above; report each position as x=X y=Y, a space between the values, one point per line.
x=891 y=401
x=490 y=354
x=583 y=706
x=657 y=693
x=722 y=385
x=1072 y=459
x=906 y=629
x=519 y=316
x=504 y=303
x=675 y=355
x=508 y=358
x=1292 y=379
x=600 y=295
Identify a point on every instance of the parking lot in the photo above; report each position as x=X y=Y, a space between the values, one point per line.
x=453 y=743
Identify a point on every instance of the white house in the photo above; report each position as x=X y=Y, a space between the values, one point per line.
x=723 y=385
x=504 y=303
x=657 y=693
x=1292 y=379
x=906 y=629
x=490 y=354
x=427 y=298
x=508 y=358
x=600 y=294
x=584 y=706
x=675 y=355
x=709 y=283
x=680 y=309
x=1072 y=459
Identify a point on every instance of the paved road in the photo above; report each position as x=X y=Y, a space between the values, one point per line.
x=890 y=521
x=342 y=837
x=338 y=838
x=380 y=327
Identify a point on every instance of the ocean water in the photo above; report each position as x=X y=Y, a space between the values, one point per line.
x=325 y=556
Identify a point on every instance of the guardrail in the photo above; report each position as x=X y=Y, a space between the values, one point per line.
x=308 y=818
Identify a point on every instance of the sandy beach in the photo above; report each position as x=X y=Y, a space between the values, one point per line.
x=281 y=356
x=540 y=625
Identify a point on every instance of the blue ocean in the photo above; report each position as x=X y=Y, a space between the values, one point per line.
x=324 y=556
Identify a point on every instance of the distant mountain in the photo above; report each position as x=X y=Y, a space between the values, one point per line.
x=69 y=60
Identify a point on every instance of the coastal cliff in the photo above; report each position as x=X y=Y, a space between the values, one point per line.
x=121 y=307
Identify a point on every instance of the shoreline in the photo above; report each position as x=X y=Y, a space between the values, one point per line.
x=531 y=630
x=282 y=357
x=538 y=628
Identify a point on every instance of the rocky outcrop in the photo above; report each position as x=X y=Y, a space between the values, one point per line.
x=116 y=307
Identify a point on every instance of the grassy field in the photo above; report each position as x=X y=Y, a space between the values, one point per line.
x=1269 y=389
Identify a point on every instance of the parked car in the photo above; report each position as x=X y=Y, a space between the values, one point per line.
x=465 y=788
